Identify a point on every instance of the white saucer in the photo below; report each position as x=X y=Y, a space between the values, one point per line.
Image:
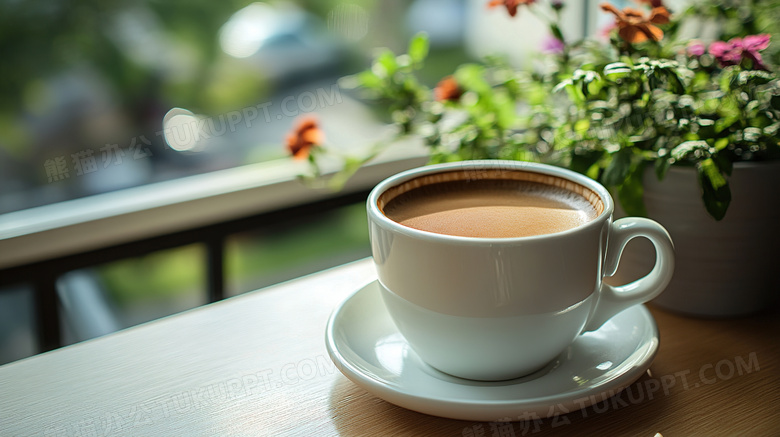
x=366 y=347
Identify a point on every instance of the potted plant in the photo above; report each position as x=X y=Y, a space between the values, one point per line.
x=687 y=134
x=682 y=130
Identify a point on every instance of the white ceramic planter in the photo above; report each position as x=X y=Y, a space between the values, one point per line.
x=725 y=268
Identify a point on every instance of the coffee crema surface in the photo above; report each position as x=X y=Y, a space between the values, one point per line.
x=490 y=208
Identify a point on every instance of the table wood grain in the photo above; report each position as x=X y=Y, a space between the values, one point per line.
x=256 y=365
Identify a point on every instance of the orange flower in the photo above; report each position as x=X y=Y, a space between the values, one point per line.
x=632 y=25
x=447 y=89
x=511 y=5
x=652 y=3
x=305 y=136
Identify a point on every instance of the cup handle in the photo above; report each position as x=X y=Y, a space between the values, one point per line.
x=614 y=299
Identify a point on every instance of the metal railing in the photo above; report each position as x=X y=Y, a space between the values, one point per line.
x=43 y=275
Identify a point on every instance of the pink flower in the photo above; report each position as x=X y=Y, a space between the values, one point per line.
x=552 y=45
x=756 y=42
x=751 y=44
x=695 y=48
x=727 y=53
x=736 y=50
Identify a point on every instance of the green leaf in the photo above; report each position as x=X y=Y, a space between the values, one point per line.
x=725 y=123
x=751 y=134
x=581 y=126
x=724 y=164
x=684 y=149
x=710 y=106
x=538 y=95
x=754 y=77
x=700 y=80
x=556 y=32
x=631 y=193
x=712 y=172
x=385 y=65
x=675 y=83
x=563 y=84
x=594 y=86
x=661 y=167
x=721 y=144
x=618 y=169
x=351 y=165
x=575 y=94
x=726 y=79
x=472 y=77
x=505 y=108
x=772 y=129
x=716 y=193
x=653 y=80
x=418 y=47
x=617 y=70
x=368 y=79
x=591 y=81
x=775 y=102
x=583 y=162
x=593 y=171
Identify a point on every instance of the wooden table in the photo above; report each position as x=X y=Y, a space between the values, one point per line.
x=256 y=364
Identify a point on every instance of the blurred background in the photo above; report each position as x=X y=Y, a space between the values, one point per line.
x=95 y=97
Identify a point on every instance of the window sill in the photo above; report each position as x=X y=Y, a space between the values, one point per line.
x=79 y=225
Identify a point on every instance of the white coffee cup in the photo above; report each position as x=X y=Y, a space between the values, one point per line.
x=501 y=308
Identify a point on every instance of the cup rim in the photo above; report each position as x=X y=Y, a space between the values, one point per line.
x=375 y=215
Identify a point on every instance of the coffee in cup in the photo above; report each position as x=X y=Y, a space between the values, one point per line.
x=501 y=204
